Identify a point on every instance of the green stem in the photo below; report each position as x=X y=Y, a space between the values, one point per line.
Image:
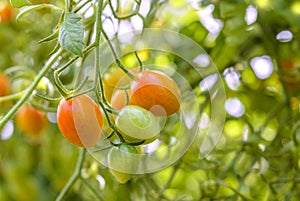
x=30 y=89
x=135 y=12
x=43 y=107
x=12 y=96
x=97 y=66
x=68 y=5
x=58 y=83
x=132 y=76
x=74 y=177
x=167 y=184
x=81 y=6
x=99 y=22
x=232 y=163
x=139 y=61
x=222 y=183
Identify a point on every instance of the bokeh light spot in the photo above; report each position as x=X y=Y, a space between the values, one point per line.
x=7 y=131
x=262 y=66
x=234 y=107
x=251 y=15
x=284 y=36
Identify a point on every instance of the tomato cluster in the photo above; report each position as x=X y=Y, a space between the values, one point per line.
x=150 y=94
x=137 y=102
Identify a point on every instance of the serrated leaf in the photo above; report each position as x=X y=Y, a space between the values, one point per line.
x=30 y=8
x=71 y=34
x=19 y=3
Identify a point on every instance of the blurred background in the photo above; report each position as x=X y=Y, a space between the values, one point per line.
x=255 y=47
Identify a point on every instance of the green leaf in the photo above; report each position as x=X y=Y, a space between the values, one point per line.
x=71 y=34
x=30 y=8
x=19 y=3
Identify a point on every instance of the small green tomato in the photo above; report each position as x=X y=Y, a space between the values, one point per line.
x=137 y=124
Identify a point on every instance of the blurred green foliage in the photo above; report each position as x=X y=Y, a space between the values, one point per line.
x=256 y=158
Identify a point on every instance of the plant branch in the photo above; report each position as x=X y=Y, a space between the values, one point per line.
x=76 y=174
x=167 y=184
x=116 y=57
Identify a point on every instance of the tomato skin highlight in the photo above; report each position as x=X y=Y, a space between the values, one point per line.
x=31 y=121
x=80 y=120
x=156 y=92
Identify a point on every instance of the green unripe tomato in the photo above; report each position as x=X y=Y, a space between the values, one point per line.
x=123 y=162
x=137 y=124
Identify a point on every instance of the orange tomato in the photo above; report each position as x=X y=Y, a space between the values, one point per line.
x=31 y=121
x=155 y=91
x=119 y=99
x=80 y=120
x=4 y=85
x=6 y=13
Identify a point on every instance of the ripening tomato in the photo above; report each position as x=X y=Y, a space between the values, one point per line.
x=31 y=121
x=113 y=78
x=80 y=120
x=122 y=162
x=4 y=85
x=6 y=13
x=155 y=91
x=120 y=99
x=137 y=124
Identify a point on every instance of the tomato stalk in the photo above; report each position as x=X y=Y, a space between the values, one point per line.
x=76 y=174
x=101 y=89
x=102 y=100
x=170 y=179
x=44 y=108
x=111 y=125
x=139 y=61
x=132 y=76
x=75 y=10
x=22 y=70
x=12 y=96
x=115 y=14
